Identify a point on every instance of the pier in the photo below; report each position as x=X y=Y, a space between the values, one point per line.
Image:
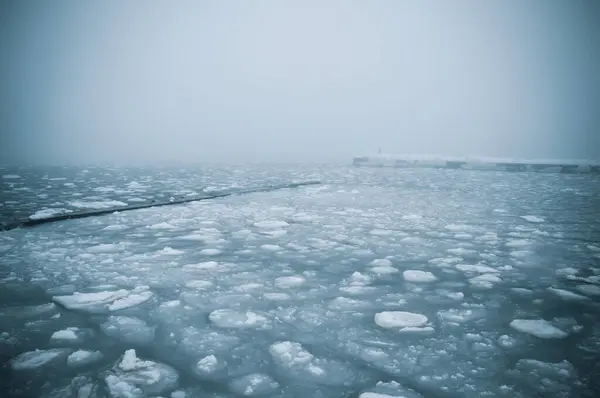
x=31 y=222
x=472 y=163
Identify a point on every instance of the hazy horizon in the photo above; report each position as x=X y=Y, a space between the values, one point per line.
x=277 y=81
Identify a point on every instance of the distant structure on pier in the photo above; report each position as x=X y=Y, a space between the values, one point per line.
x=571 y=166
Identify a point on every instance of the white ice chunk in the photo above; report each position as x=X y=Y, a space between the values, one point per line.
x=169 y=251
x=345 y=304
x=290 y=353
x=118 y=388
x=358 y=279
x=255 y=384
x=47 y=213
x=506 y=341
x=534 y=219
x=357 y=289
x=538 y=328
x=114 y=227
x=83 y=358
x=460 y=315
x=297 y=362
x=133 y=378
x=36 y=359
x=384 y=270
x=271 y=248
x=463 y=236
x=130 y=361
x=419 y=276
x=65 y=334
x=196 y=237
x=381 y=262
x=286 y=282
x=106 y=204
x=381 y=232
x=131 y=300
x=399 y=319
x=208 y=364
x=276 y=296
x=417 y=329
x=457 y=296
x=199 y=284
x=485 y=281
x=226 y=318
x=460 y=251
x=207 y=265
x=79 y=301
x=210 y=252
x=104 y=300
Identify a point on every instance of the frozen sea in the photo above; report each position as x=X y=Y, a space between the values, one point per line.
x=377 y=283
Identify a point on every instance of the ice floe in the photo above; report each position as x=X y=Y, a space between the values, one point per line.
x=314 y=292
x=255 y=384
x=485 y=281
x=286 y=282
x=36 y=359
x=419 y=276
x=71 y=335
x=533 y=219
x=225 y=318
x=133 y=377
x=399 y=319
x=210 y=252
x=538 y=327
x=104 y=300
x=209 y=365
x=83 y=358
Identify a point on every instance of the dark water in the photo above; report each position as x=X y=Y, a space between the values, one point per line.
x=278 y=291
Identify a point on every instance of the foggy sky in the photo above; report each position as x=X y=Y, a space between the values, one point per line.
x=274 y=80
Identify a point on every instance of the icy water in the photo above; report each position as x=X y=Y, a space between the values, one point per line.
x=378 y=283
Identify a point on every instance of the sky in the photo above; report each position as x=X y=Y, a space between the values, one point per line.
x=309 y=80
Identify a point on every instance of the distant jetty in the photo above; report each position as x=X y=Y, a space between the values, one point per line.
x=571 y=166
